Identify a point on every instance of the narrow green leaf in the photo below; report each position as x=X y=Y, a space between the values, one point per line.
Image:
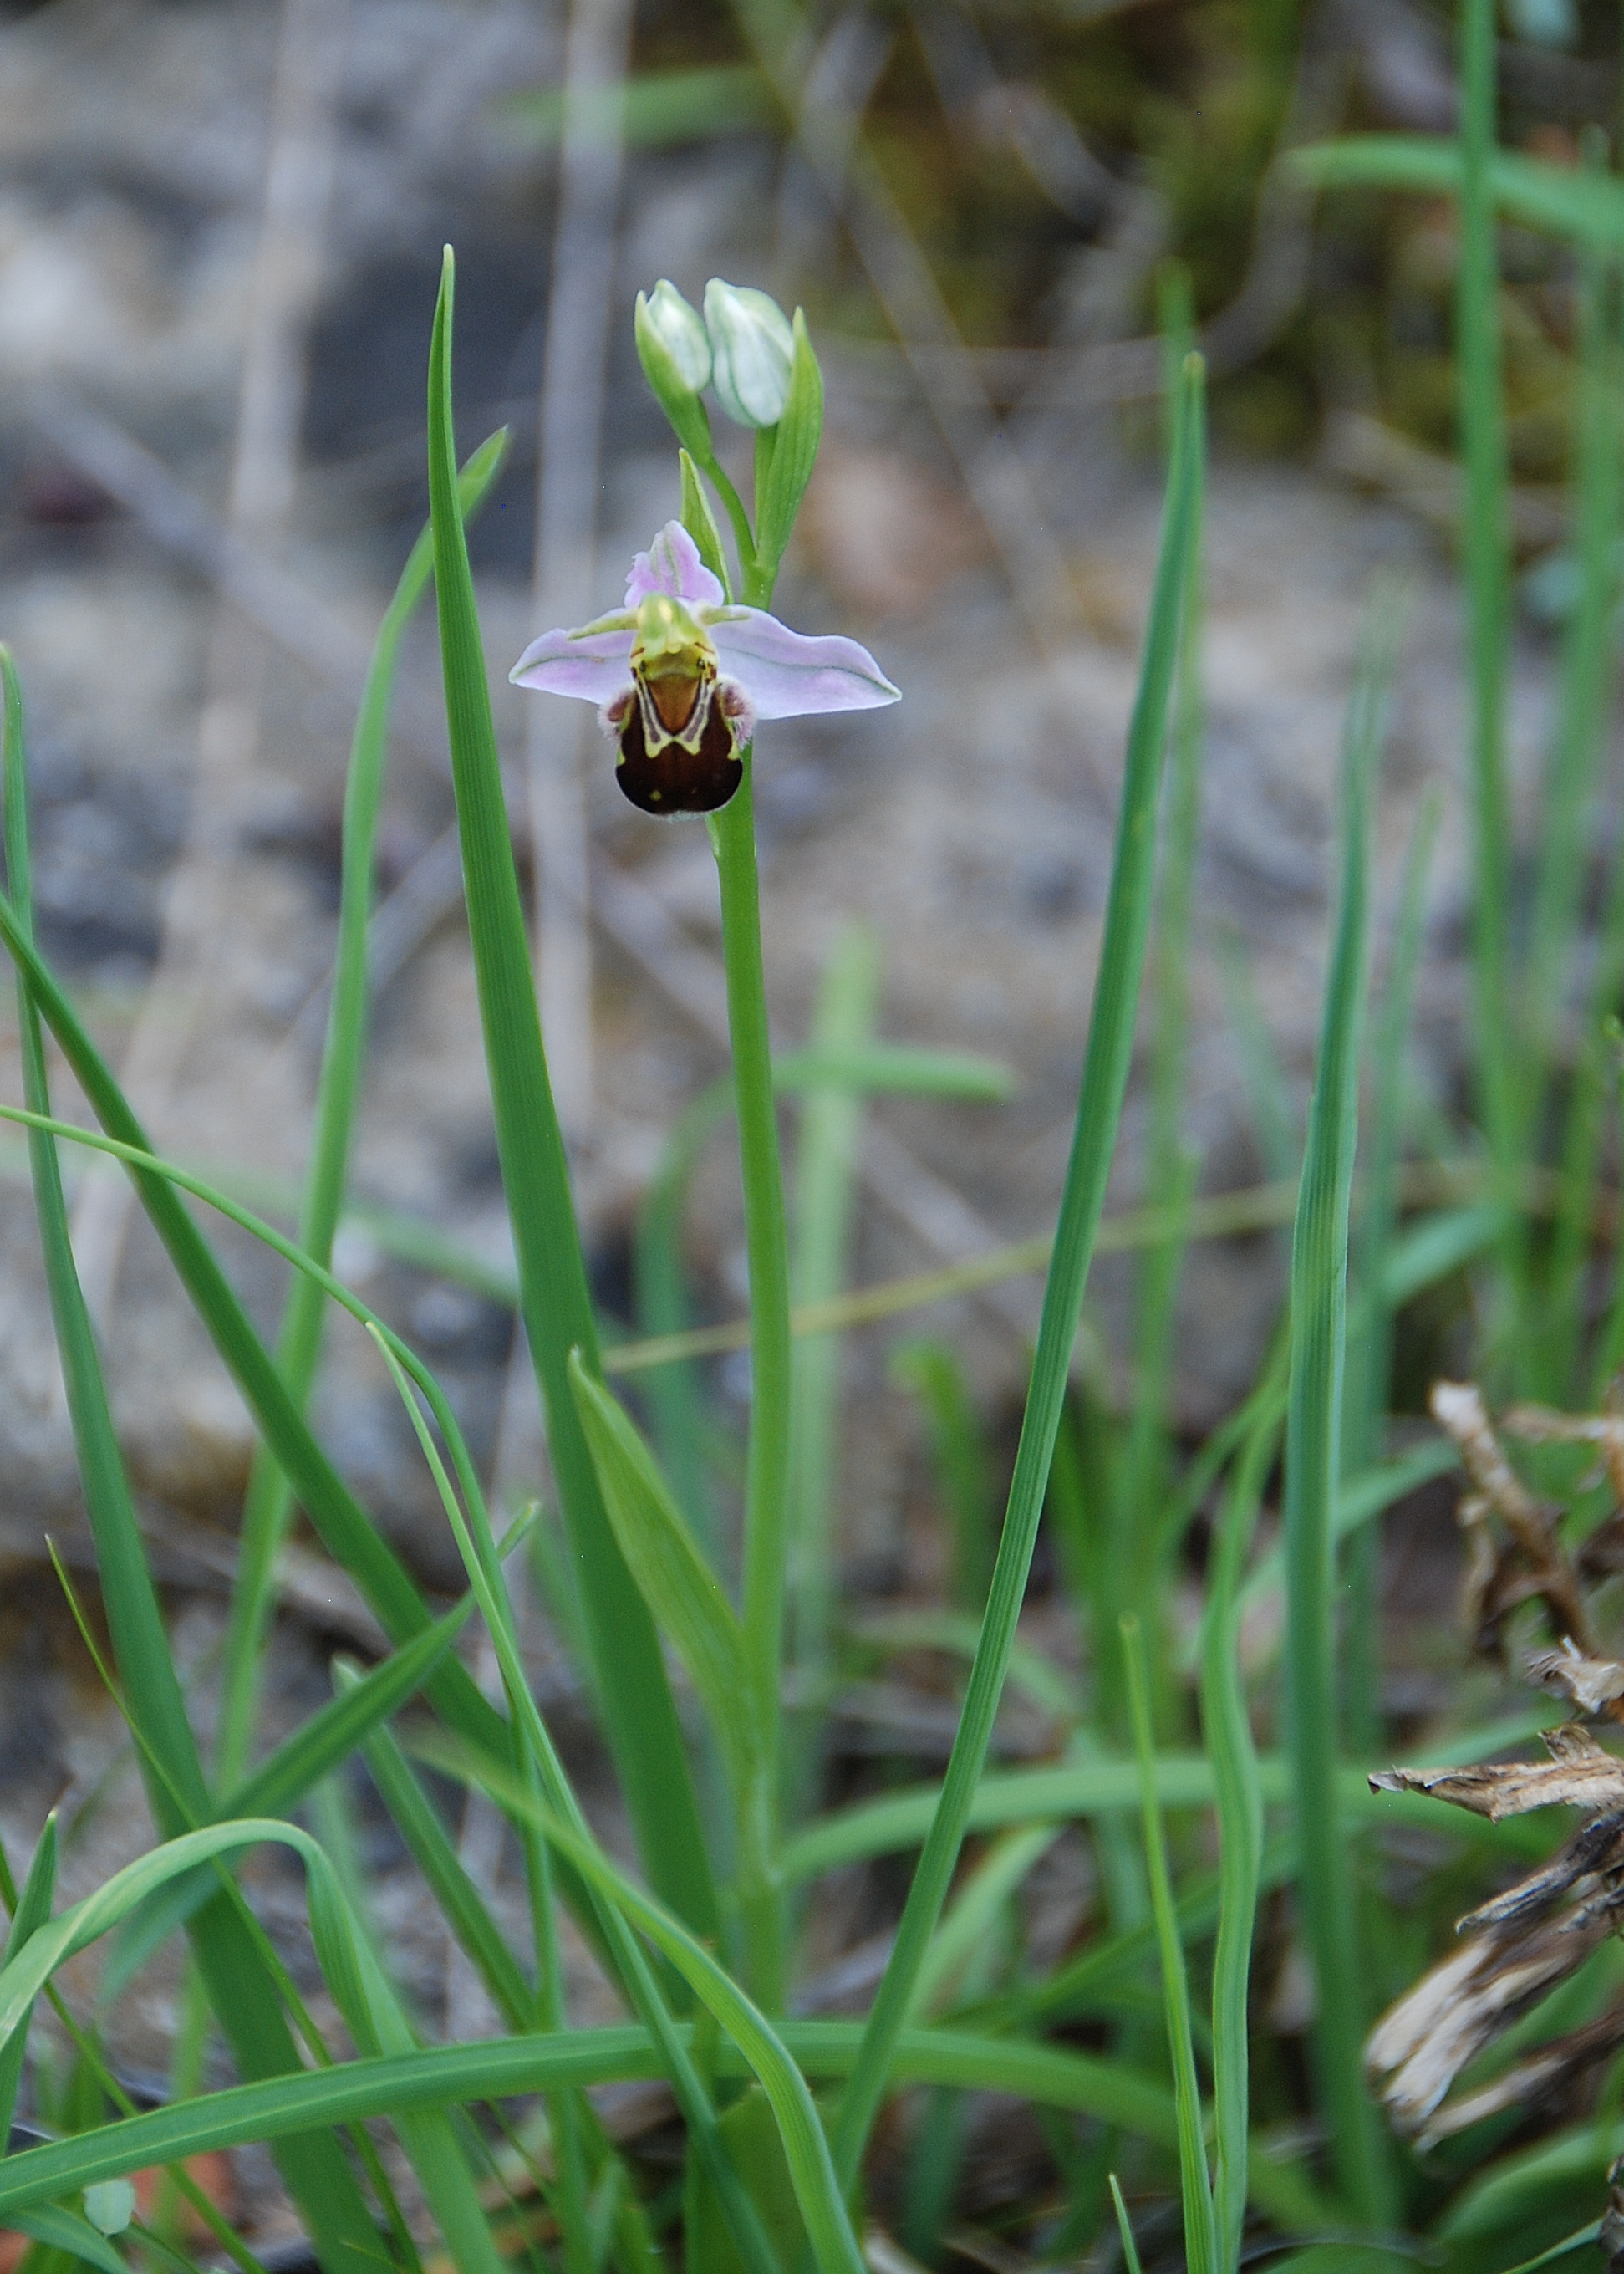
x=1239 y=1793
x=62 y=2229
x=34 y=1908
x=700 y=521
x=1130 y=2248
x=795 y=451
x=1587 y=208
x=1313 y=1457
x=333 y=1733
x=1111 y=1044
x=640 y=1720
x=369 y=2006
x=268 y=1502
x=346 y=1530
x=800 y=2127
x=280 y=1782
x=457 y=1898
x=240 y=1989
x=1200 y=2231
x=500 y=2068
x=681 y=1590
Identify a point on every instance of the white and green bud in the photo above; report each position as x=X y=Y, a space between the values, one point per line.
x=752 y=351
x=674 y=350
x=680 y=330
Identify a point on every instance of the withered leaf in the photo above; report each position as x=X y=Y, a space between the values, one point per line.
x=1551 y=2074
x=1422 y=2044
x=1595 y=1686
x=1580 y=1775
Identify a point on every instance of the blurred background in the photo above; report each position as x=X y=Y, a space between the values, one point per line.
x=220 y=224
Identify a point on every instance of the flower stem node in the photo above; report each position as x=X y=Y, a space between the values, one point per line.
x=752 y=351
x=680 y=678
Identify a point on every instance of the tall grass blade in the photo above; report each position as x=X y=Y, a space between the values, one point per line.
x=1171 y=1168
x=267 y=1502
x=1589 y=663
x=1486 y=562
x=280 y=1782
x=1130 y=2248
x=455 y=1896
x=1195 y=2182
x=681 y=1590
x=640 y=1719
x=495 y=2069
x=1239 y=1794
x=1368 y=1380
x=1105 y=1073
x=1313 y=1457
x=346 y=1530
x=33 y=1910
x=826 y=1151
x=538 y=1793
x=240 y=1991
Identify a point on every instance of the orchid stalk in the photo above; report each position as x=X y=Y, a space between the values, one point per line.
x=682 y=674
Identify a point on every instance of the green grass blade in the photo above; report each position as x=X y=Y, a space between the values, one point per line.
x=64 y=2230
x=1110 y=1042
x=931 y=1369
x=974 y=1911
x=1369 y=1365
x=800 y=2129
x=681 y=1590
x=1585 y=208
x=640 y=1719
x=1588 y=656
x=329 y=1736
x=1195 y=2182
x=458 y=1899
x=1130 y=2248
x=33 y=1910
x=538 y=1762
x=1239 y=1796
x=1171 y=1168
x=240 y=1991
x=1487 y=563
x=500 y=2068
x=1314 y=1425
x=827 y=1139
x=370 y=2009
x=346 y=1530
x=267 y=1503
x=280 y=1782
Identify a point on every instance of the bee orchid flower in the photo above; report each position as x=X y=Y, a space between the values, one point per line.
x=680 y=676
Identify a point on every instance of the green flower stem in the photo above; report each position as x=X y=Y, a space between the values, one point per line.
x=766 y=1512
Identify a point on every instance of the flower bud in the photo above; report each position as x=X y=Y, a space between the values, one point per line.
x=752 y=350
x=675 y=354
x=680 y=330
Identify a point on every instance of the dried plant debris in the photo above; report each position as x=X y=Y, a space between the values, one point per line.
x=1519 y=1947
x=1515 y=1554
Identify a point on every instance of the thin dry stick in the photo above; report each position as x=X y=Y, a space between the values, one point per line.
x=285 y=280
